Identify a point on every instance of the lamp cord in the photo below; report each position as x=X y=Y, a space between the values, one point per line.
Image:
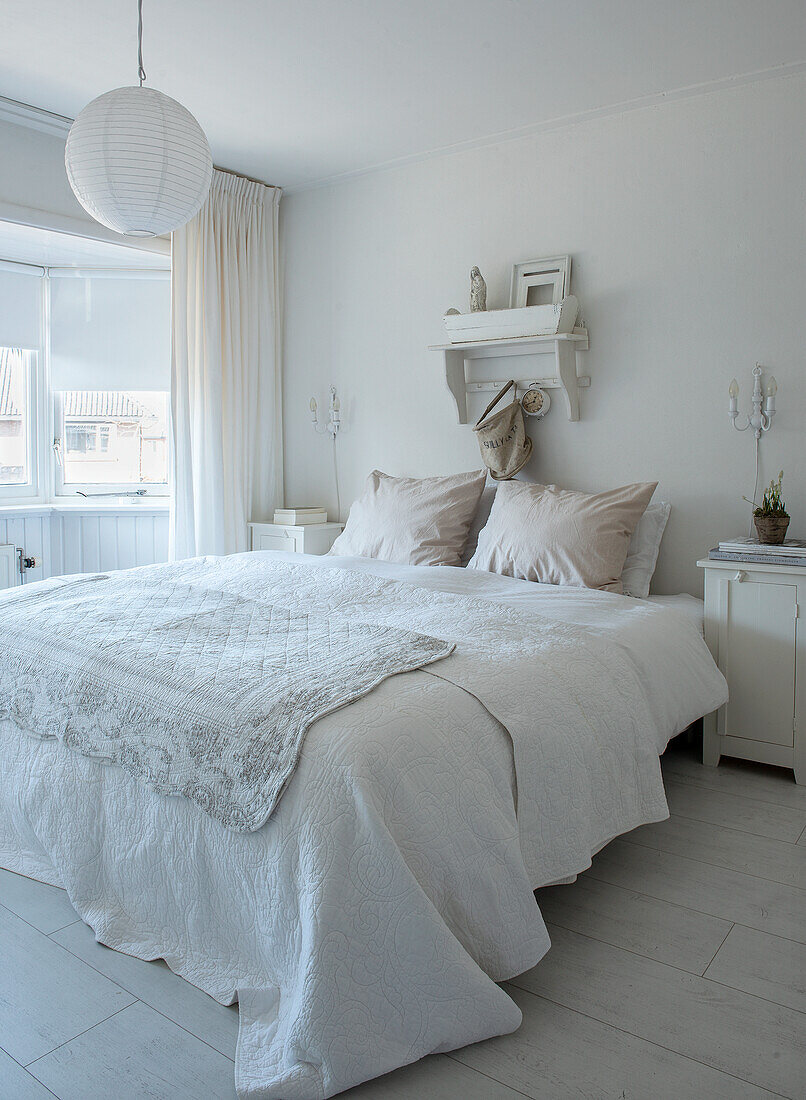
x=755 y=490
x=140 y=70
x=336 y=478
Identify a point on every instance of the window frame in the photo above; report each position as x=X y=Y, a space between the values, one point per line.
x=30 y=491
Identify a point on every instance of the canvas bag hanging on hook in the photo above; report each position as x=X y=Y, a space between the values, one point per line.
x=505 y=446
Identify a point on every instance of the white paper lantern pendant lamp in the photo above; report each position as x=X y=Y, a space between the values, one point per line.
x=137 y=160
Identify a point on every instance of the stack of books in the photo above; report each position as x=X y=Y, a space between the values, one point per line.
x=299 y=517
x=790 y=552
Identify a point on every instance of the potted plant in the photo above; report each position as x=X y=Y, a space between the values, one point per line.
x=771 y=518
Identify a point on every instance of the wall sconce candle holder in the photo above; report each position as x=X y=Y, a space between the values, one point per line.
x=763 y=404
x=331 y=428
x=333 y=425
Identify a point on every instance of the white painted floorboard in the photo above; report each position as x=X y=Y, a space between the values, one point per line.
x=742 y=1035
x=18 y=1083
x=694 y=884
x=436 y=1078
x=134 y=1054
x=558 y=1053
x=48 y=996
x=677 y=972
x=735 y=811
x=668 y=933
x=764 y=965
x=45 y=907
x=157 y=986
x=737 y=777
x=730 y=848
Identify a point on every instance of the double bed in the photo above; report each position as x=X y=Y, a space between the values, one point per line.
x=366 y=921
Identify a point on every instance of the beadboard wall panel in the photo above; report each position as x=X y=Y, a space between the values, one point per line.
x=31 y=531
x=86 y=542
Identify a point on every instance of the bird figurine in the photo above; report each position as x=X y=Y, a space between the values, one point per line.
x=478 y=291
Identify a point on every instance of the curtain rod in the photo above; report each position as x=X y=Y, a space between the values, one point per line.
x=36 y=118
x=18 y=111
x=38 y=110
x=243 y=176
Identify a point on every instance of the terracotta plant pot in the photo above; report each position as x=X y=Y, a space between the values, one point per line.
x=771 y=529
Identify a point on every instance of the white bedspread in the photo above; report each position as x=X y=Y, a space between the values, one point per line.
x=366 y=923
x=195 y=691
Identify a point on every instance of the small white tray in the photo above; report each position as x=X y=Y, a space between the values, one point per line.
x=499 y=324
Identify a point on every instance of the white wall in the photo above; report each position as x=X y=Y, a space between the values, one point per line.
x=32 y=171
x=687 y=227
x=34 y=189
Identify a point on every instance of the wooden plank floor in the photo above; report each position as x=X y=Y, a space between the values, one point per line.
x=677 y=970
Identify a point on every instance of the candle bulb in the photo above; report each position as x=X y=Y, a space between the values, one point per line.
x=772 y=389
x=313 y=409
x=733 y=390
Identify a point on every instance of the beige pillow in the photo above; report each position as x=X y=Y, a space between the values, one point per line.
x=560 y=536
x=414 y=521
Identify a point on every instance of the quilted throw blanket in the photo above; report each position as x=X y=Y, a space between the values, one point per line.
x=195 y=691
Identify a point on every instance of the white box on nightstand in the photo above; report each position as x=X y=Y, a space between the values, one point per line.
x=311 y=538
x=751 y=627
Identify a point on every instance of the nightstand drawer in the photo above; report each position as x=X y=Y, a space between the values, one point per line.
x=312 y=538
x=275 y=540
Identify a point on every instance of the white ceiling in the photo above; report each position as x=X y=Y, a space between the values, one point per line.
x=296 y=91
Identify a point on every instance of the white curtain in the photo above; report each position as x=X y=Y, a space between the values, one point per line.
x=226 y=383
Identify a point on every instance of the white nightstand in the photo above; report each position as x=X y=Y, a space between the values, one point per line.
x=310 y=538
x=751 y=627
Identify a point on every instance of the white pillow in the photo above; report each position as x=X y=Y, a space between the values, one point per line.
x=642 y=557
x=414 y=521
x=561 y=536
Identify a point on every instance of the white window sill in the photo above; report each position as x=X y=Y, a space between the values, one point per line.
x=153 y=504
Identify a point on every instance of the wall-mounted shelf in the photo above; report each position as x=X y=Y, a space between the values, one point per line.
x=563 y=346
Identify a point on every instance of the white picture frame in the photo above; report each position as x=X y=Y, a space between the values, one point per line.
x=552 y=272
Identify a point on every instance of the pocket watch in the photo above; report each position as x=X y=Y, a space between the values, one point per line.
x=535 y=402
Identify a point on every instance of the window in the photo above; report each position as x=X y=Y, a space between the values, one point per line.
x=80 y=438
x=116 y=439
x=84 y=370
x=16 y=467
x=110 y=331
